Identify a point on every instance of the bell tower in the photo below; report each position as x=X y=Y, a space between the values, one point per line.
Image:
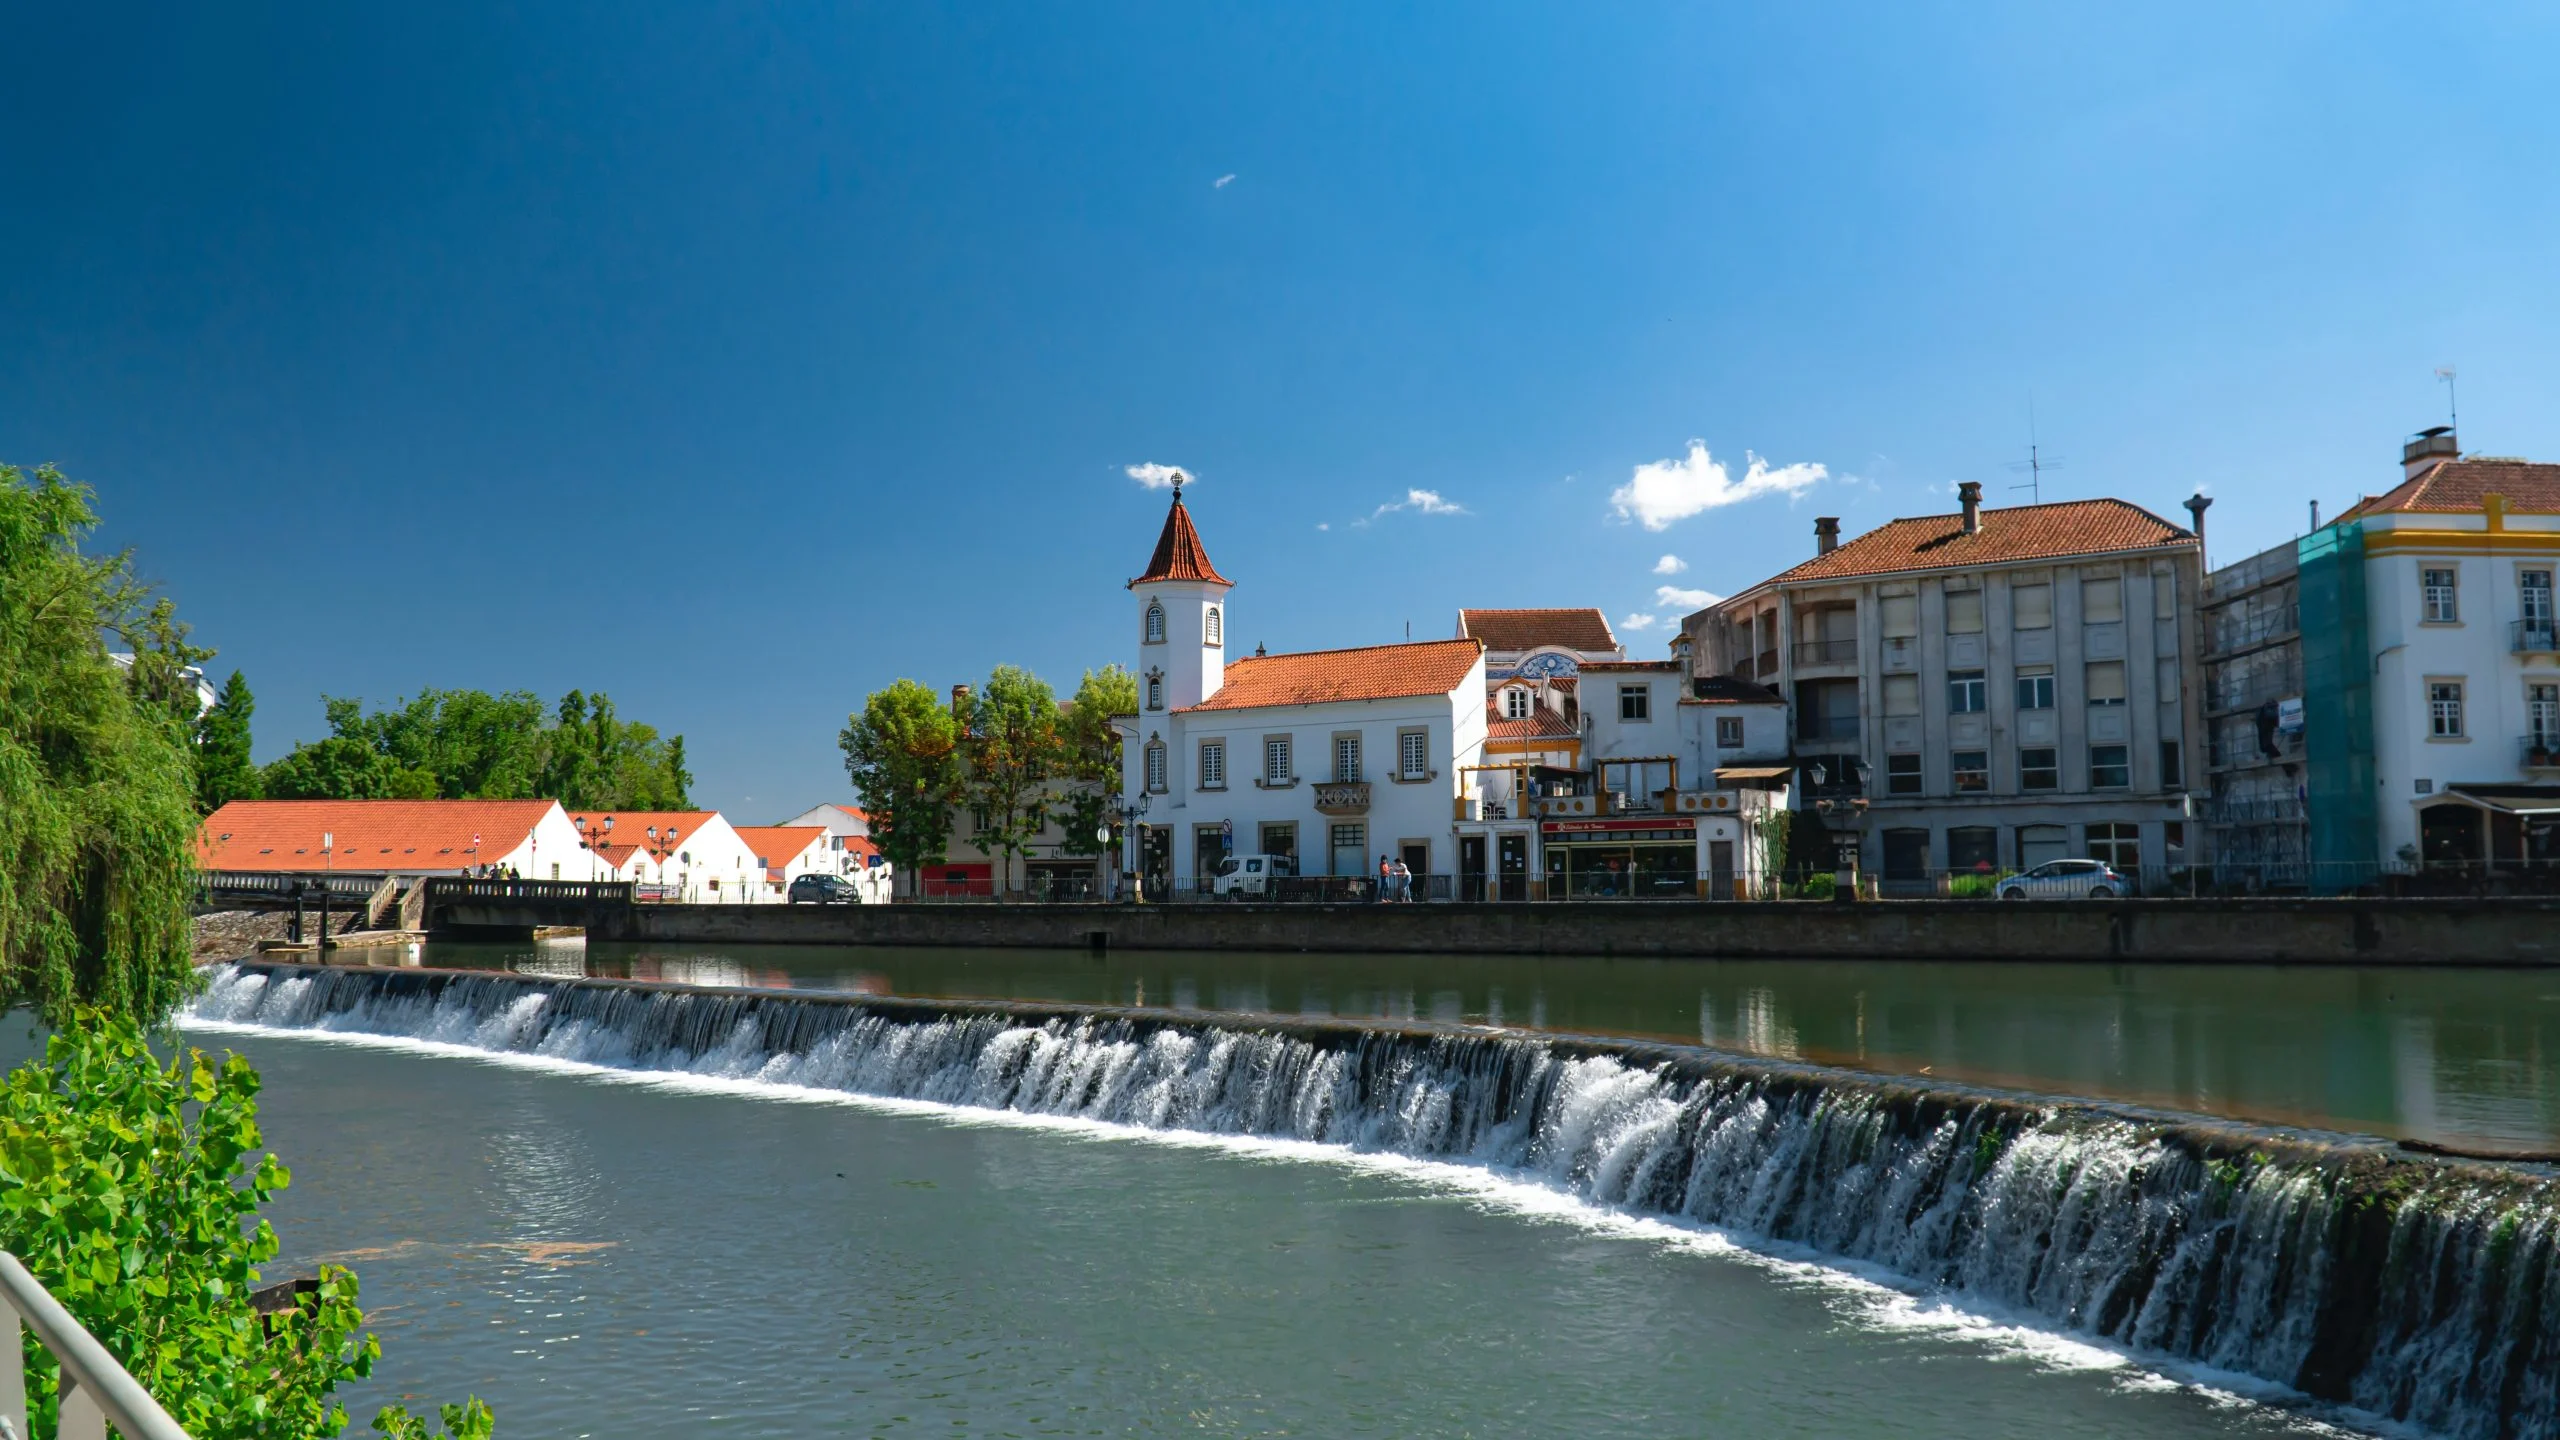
x=1182 y=618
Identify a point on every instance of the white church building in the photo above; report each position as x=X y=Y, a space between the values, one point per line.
x=1333 y=757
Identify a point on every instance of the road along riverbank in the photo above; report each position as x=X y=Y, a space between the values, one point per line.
x=2299 y=932
x=2414 y=1287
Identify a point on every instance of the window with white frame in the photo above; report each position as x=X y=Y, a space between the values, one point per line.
x=1155 y=691
x=2542 y=714
x=1515 y=703
x=2438 y=602
x=1728 y=732
x=2534 y=594
x=1346 y=757
x=1413 y=754
x=1966 y=693
x=1902 y=774
x=1275 y=760
x=1635 y=702
x=1972 y=770
x=1213 y=628
x=2039 y=768
x=2035 y=687
x=1155 y=766
x=1155 y=623
x=1213 y=764
x=2444 y=709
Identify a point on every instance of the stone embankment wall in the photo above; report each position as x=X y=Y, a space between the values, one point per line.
x=2392 y=932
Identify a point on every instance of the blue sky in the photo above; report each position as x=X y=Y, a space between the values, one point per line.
x=738 y=361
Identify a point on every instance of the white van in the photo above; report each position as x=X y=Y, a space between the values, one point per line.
x=1241 y=875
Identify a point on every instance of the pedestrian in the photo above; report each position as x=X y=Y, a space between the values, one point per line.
x=1404 y=884
x=1386 y=878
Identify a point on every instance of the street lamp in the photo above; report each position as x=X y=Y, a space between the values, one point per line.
x=592 y=838
x=662 y=843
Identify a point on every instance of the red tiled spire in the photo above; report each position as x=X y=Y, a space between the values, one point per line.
x=1179 y=553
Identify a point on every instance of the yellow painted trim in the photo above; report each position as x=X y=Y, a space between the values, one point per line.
x=2467 y=542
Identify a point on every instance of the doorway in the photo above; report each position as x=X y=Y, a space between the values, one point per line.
x=1719 y=869
x=1512 y=854
x=1471 y=867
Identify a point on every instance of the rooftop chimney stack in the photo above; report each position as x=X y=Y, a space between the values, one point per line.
x=2197 y=504
x=959 y=698
x=1970 y=492
x=2427 y=449
x=1826 y=534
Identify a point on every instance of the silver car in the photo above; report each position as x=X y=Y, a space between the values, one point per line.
x=2066 y=880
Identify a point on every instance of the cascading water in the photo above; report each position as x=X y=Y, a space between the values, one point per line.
x=2420 y=1290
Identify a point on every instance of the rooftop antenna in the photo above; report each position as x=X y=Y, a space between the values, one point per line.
x=2034 y=466
x=2452 y=405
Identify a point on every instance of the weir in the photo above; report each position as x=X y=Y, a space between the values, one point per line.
x=2417 y=1288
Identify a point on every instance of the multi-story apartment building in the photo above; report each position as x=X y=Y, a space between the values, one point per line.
x=2001 y=687
x=2255 y=723
x=2432 y=668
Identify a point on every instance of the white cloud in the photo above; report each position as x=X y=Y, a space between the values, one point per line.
x=1639 y=622
x=1427 y=502
x=1669 y=565
x=1670 y=490
x=1158 y=477
x=1222 y=182
x=1324 y=525
x=1672 y=597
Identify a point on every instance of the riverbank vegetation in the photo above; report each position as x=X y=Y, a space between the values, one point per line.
x=471 y=745
x=130 y=1188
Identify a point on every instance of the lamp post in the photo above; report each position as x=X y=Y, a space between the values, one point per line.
x=592 y=838
x=1845 y=841
x=662 y=843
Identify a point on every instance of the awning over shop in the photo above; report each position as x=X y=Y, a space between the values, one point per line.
x=2539 y=802
x=1761 y=777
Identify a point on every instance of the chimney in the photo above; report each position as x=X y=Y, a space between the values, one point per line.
x=1826 y=534
x=959 y=698
x=2197 y=504
x=2427 y=449
x=1970 y=492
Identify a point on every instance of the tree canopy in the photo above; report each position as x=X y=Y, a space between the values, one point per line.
x=471 y=745
x=97 y=787
x=224 y=771
x=1091 y=763
x=1011 y=747
x=902 y=750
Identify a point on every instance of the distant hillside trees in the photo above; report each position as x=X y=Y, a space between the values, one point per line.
x=471 y=745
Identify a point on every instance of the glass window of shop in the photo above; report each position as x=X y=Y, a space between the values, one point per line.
x=1623 y=865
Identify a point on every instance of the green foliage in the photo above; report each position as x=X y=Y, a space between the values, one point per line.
x=1010 y=749
x=1773 y=828
x=131 y=1190
x=224 y=771
x=1092 y=762
x=1820 y=885
x=471 y=745
x=1980 y=886
x=1808 y=849
x=97 y=790
x=902 y=750
x=469 y=1420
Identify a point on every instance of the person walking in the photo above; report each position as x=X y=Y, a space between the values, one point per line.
x=1404 y=884
x=1386 y=878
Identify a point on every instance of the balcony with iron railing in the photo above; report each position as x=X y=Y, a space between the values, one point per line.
x=1826 y=652
x=2533 y=637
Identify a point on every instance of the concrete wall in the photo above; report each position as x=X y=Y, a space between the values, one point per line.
x=2396 y=932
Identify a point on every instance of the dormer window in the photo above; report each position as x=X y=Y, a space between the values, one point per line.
x=1515 y=703
x=1213 y=630
x=1155 y=623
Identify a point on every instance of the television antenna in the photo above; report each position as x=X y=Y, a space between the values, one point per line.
x=2452 y=406
x=2034 y=466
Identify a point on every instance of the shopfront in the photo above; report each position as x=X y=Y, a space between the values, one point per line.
x=1648 y=857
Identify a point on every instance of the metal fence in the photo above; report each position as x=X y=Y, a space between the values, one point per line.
x=96 y=1391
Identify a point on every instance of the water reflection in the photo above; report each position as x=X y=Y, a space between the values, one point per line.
x=2464 y=1057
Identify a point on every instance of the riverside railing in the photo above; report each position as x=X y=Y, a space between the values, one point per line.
x=95 y=1390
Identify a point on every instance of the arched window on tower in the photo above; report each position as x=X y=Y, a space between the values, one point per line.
x=1155 y=623
x=1155 y=690
x=1214 y=632
x=1155 y=766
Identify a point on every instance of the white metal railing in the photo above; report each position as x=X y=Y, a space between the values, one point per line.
x=95 y=1389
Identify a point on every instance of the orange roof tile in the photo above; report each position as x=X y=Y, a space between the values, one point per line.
x=2007 y=536
x=775 y=846
x=1179 y=553
x=2456 y=486
x=1538 y=724
x=1585 y=629
x=630 y=829
x=1322 y=677
x=365 y=835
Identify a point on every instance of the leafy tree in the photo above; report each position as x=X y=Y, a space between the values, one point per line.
x=132 y=1192
x=902 y=749
x=471 y=745
x=1011 y=749
x=97 y=793
x=224 y=771
x=1091 y=763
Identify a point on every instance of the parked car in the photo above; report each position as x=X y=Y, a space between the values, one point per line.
x=1242 y=875
x=2066 y=880
x=824 y=890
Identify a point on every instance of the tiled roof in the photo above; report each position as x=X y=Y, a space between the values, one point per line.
x=1538 y=724
x=774 y=846
x=365 y=835
x=1588 y=666
x=2456 y=486
x=1585 y=630
x=2007 y=536
x=1729 y=690
x=1321 y=677
x=630 y=829
x=1179 y=553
